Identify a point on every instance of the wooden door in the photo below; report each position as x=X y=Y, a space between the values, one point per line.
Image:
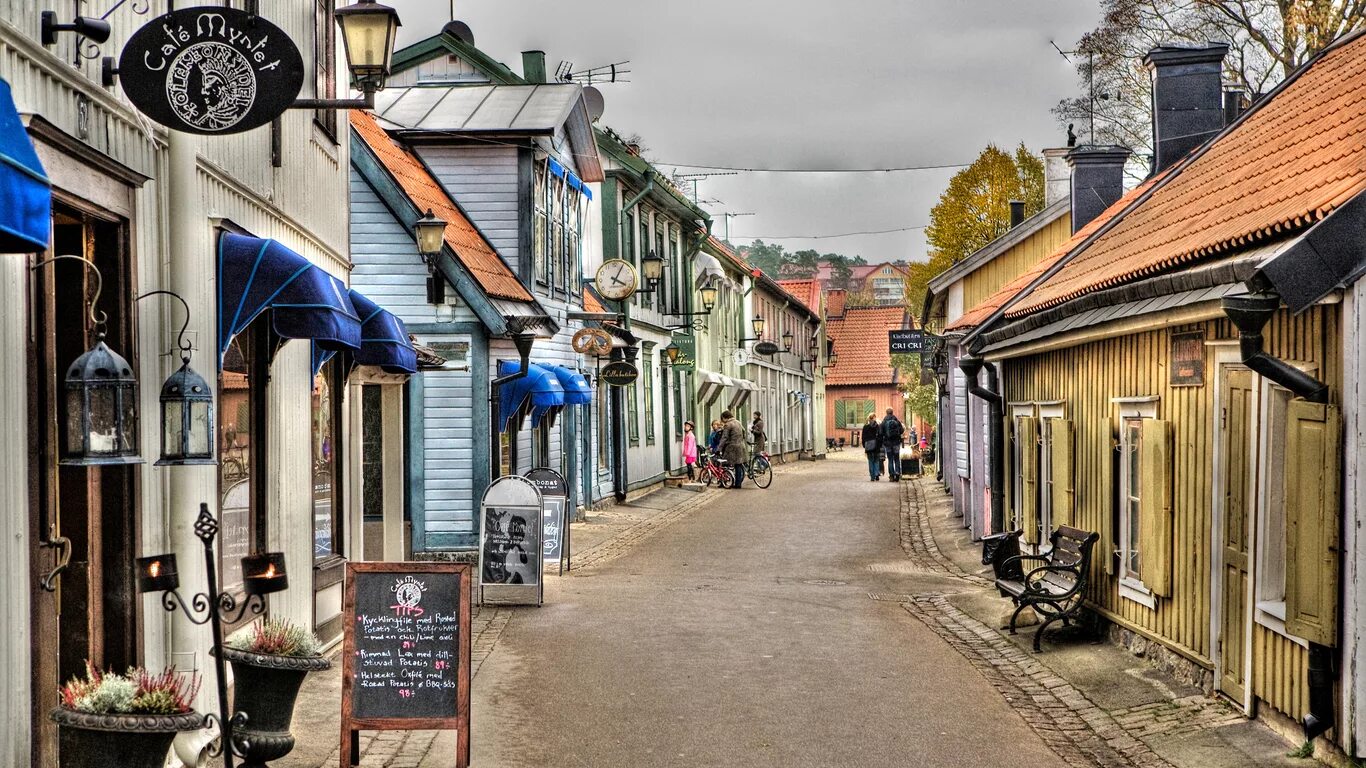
x=1239 y=466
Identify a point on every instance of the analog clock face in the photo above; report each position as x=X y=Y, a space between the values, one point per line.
x=616 y=279
x=740 y=356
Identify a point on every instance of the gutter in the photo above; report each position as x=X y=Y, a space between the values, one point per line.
x=996 y=420
x=1250 y=313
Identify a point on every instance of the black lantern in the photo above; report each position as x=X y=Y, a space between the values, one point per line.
x=671 y=352
x=157 y=573
x=787 y=341
x=264 y=573
x=652 y=268
x=186 y=418
x=101 y=410
x=368 y=32
x=708 y=294
x=758 y=325
x=431 y=234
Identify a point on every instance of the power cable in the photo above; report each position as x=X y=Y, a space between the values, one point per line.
x=827 y=237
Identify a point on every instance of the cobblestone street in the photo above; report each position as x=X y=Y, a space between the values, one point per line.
x=749 y=627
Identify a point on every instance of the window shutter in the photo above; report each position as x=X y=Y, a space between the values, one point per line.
x=1155 y=506
x=1312 y=451
x=841 y=417
x=1060 y=471
x=1028 y=435
x=1109 y=482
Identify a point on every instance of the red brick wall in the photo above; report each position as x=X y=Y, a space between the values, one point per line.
x=884 y=396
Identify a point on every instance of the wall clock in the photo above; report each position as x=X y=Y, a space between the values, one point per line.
x=616 y=279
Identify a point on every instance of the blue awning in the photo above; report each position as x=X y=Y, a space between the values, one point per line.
x=575 y=183
x=537 y=393
x=25 y=192
x=256 y=275
x=576 y=388
x=383 y=338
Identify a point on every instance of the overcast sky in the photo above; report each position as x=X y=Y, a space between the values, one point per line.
x=795 y=83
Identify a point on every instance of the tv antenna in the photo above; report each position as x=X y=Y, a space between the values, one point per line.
x=726 y=215
x=1090 y=80
x=607 y=73
x=694 y=177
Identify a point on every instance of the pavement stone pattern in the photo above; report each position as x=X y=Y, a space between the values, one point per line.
x=918 y=541
x=1079 y=731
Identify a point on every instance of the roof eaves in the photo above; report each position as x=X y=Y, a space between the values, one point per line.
x=1001 y=244
x=443 y=42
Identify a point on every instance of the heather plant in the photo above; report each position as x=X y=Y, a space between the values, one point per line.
x=137 y=692
x=278 y=637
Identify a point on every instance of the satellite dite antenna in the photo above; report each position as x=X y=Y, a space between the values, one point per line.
x=592 y=98
x=607 y=73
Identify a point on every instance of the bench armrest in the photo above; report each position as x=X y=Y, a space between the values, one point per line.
x=1037 y=574
x=1015 y=559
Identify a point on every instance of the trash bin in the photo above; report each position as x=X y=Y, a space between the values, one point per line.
x=910 y=465
x=1000 y=547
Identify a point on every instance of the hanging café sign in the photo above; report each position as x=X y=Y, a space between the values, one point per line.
x=211 y=70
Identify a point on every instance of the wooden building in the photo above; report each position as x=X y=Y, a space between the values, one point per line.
x=863 y=380
x=785 y=381
x=1175 y=377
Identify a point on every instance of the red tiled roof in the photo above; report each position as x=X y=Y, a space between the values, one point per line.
x=1286 y=166
x=591 y=303
x=808 y=292
x=974 y=316
x=861 y=345
x=729 y=253
x=469 y=245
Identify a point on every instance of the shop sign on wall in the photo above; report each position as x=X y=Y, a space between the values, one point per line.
x=211 y=70
x=1188 y=359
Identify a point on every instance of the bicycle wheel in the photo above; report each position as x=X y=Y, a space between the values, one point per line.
x=761 y=472
x=724 y=477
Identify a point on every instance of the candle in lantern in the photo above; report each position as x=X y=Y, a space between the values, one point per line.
x=264 y=573
x=157 y=573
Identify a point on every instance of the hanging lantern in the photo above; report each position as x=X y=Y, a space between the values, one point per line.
x=368 y=33
x=787 y=341
x=101 y=410
x=671 y=352
x=708 y=294
x=186 y=419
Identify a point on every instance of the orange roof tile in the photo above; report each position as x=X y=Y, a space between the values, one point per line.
x=469 y=245
x=860 y=337
x=1287 y=165
x=974 y=316
x=591 y=303
x=808 y=292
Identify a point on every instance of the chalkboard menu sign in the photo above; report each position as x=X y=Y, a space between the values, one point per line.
x=406 y=652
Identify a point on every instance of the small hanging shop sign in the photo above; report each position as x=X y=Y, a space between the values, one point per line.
x=619 y=374
x=211 y=70
x=1188 y=359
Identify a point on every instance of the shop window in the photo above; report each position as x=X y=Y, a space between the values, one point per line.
x=242 y=450
x=573 y=261
x=372 y=452
x=604 y=431
x=540 y=224
x=540 y=444
x=632 y=406
x=647 y=375
x=628 y=238
x=558 y=246
x=675 y=270
x=326 y=433
x=1133 y=416
x=507 y=453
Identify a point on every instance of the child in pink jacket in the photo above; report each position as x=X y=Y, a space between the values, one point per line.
x=689 y=448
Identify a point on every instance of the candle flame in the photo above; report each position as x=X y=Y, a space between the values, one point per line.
x=155 y=568
x=270 y=571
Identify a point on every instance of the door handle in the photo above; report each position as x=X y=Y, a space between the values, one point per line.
x=63 y=546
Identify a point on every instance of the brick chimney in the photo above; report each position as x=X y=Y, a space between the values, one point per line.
x=834 y=303
x=1057 y=175
x=533 y=66
x=1097 y=181
x=1188 y=95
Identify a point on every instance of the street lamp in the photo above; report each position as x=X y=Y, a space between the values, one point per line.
x=671 y=352
x=708 y=295
x=430 y=233
x=186 y=405
x=652 y=269
x=787 y=341
x=368 y=31
x=758 y=325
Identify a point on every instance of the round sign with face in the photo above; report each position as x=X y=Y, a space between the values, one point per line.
x=211 y=70
x=616 y=279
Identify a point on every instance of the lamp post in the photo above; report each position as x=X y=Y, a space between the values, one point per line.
x=707 y=293
x=262 y=574
x=787 y=341
x=757 y=324
x=368 y=31
x=652 y=269
x=430 y=234
x=671 y=352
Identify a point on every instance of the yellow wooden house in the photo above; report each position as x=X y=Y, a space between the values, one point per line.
x=1175 y=377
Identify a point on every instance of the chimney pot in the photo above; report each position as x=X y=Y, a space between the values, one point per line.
x=533 y=66
x=1057 y=175
x=1187 y=99
x=1017 y=213
x=1097 y=181
x=1234 y=104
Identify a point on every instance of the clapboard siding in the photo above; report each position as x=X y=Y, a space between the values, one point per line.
x=448 y=442
x=987 y=279
x=483 y=180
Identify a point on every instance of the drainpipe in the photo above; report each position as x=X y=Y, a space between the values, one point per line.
x=995 y=419
x=1250 y=314
x=523 y=340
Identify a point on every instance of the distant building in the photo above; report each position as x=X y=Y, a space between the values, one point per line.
x=885 y=283
x=863 y=381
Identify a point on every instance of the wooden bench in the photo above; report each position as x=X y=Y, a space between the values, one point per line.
x=1055 y=587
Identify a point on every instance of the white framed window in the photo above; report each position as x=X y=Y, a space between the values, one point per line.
x=1047 y=413
x=1018 y=412
x=1132 y=413
x=1272 y=417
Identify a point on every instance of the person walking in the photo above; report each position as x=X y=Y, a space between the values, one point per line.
x=734 y=446
x=872 y=446
x=689 y=449
x=758 y=432
x=891 y=432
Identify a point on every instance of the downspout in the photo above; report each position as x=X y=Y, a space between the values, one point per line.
x=995 y=420
x=523 y=340
x=1250 y=314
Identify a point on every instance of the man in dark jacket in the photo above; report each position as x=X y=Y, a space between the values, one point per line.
x=872 y=446
x=891 y=433
x=734 y=446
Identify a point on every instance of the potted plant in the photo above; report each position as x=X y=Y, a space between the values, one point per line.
x=269 y=661
x=124 y=721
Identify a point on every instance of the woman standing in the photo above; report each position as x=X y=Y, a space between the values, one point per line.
x=872 y=446
x=758 y=432
x=689 y=448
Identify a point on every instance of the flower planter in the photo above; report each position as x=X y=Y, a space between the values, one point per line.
x=119 y=741
x=265 y=687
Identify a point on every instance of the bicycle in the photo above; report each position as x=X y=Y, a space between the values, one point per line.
x=760 y=469
x=714 y=469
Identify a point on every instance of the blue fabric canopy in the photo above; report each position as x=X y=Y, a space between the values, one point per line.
x=383 y=338
x=25 y=192
x=537 y=393
x=576 y=388
x=256 y=275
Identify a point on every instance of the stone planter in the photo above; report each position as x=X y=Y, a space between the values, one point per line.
x=265 y=687
x=119 y=741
